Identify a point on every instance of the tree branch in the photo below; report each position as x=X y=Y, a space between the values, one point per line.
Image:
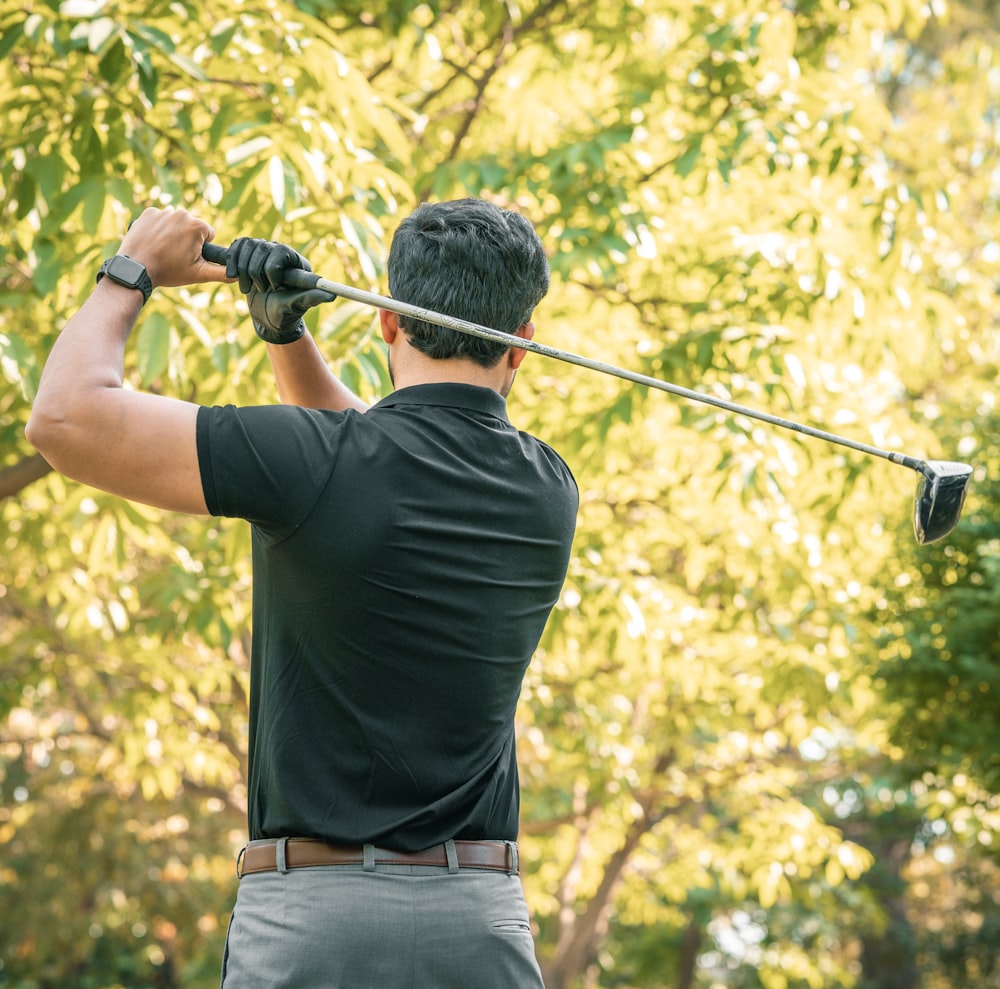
x=21 y=474
x=497 y=49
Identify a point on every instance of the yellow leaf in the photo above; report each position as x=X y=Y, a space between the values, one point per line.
x=777 y=37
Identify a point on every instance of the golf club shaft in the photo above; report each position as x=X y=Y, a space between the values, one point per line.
x=297 y=278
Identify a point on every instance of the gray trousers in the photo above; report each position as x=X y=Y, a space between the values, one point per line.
x=398 y=927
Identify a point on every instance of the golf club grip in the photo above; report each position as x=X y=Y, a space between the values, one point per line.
x=294 y=278
x=215 y=253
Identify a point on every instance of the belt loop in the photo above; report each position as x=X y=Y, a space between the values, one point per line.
x=452 y=855
x=512 y=853
x=279 y=856
x=368 y=857
x=239 y=862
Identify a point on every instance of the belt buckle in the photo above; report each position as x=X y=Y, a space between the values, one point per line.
x=512 y=861
x=239 y=861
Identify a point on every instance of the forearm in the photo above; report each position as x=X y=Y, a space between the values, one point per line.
x=303 y=377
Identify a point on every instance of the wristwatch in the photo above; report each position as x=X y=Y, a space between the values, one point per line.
x=123 y=270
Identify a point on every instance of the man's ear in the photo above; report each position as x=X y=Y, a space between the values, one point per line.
x=527 y=331
x=389 y=323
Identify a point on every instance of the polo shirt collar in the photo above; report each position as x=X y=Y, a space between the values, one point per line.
x=449 y=393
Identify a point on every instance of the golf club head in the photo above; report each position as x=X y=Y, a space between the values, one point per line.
x=941 y=489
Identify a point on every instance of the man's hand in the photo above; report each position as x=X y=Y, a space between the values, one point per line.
x=276 y=311
x=168 y=242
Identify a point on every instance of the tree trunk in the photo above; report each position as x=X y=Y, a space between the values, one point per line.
x=888 y=953
x=888 y=959
x=690 y=944
x=21 y=474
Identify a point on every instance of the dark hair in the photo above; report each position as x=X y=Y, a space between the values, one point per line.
x=469 y=259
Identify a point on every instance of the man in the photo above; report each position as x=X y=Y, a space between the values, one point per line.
x=406 y=558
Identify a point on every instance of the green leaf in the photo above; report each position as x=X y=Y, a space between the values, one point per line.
x=10 y=37
x=153 y=347
x=24 y=194
x=222 y=34
x=114 y=62
x=685 y=164
x=49 y=172
x=154 y=37
x=89 y=152
x=93 y=209
x=223 y=354
x=79 y=194
x=350 y=374
x=48 y=267
x=220 y=125
x=149 y=78
x=121 y=191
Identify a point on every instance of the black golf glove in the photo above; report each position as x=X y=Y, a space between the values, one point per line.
x=276 y=311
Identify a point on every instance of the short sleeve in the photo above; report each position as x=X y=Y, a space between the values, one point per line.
x=267 y=464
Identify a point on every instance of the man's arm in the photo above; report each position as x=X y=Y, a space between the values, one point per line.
x=84 y=422
x=305 y=379
x=263 y=268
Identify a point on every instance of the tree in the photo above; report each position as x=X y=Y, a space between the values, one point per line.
x=730 y=203
x=936 y=626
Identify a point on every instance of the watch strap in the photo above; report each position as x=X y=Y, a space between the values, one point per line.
x=144 y=284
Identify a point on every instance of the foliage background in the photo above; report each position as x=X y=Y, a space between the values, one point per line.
x=759 y=740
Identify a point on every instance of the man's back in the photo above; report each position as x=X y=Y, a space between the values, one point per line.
x=406 y=561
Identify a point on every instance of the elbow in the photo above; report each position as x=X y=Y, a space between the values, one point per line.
x=36 y=429
x=44 y=431
x=72 y=433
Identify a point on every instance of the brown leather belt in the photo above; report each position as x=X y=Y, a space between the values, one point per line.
x=282 y=854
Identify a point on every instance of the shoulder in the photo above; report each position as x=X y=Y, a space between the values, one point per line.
x=265 y=463
x=548 y=457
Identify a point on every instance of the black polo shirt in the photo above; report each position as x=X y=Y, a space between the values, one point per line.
x=405 y=562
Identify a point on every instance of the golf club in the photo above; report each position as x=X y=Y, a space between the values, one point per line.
x=941 y=484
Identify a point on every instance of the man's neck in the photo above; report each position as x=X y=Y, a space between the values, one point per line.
x=420 y=370
x=408 y=366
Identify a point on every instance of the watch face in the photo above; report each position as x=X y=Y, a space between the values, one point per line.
x=125 y=271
